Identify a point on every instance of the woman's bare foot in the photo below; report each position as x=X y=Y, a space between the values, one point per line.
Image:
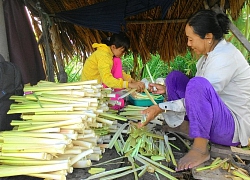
x=197 y=154
x=191 y=159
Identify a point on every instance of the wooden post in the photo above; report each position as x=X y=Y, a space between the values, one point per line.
x=3 y=37
x=45 y=21
x=236 y=32
x=57 y=46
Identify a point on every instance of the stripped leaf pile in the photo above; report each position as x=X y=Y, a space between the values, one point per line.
x=143 y=148
x=234 y=170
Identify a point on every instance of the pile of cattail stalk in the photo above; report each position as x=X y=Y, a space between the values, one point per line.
x=63 y=127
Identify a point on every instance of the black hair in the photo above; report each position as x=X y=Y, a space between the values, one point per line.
x=119 y=40
x=208 y=21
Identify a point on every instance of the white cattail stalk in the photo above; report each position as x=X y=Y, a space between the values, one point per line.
x=23 y=170
x=80 y=156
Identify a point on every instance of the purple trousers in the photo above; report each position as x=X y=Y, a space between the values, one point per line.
x=207 y=114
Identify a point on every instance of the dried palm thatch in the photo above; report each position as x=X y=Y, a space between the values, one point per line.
x=148 y=32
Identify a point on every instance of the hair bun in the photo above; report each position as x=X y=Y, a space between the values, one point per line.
x=224 y=22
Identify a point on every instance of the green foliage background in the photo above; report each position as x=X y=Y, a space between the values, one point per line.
x=74 y=69
x=159 y=69
x=242 y=23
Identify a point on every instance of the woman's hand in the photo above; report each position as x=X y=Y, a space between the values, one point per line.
x=151 y=112
x=157 y=88
x=139 y=86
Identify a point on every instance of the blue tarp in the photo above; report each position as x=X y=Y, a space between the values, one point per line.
x=110 y=15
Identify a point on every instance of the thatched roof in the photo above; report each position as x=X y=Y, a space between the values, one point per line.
x=148 y=31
